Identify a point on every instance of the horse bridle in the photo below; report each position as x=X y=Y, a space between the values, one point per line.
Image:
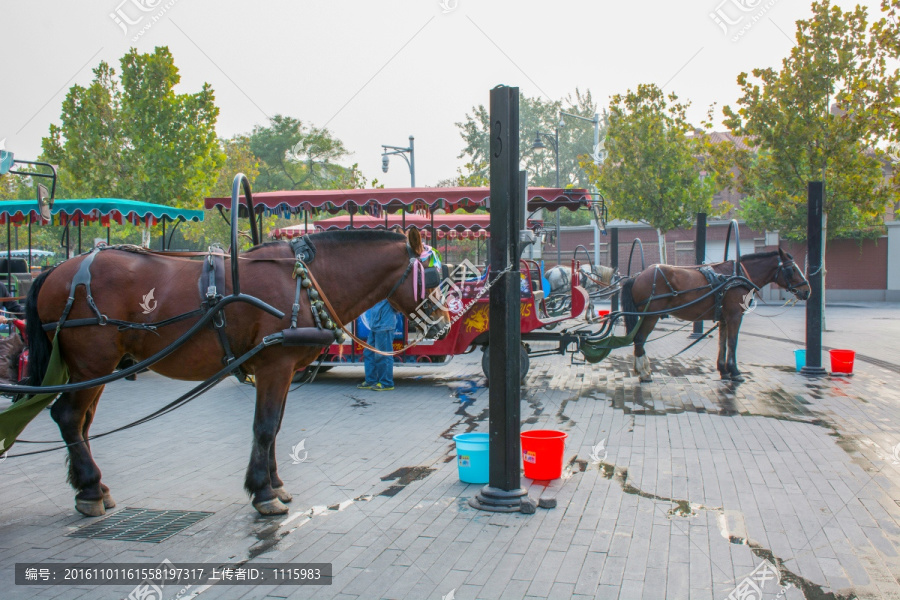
x=785 y=270
x=430 y=306
x=409 y=268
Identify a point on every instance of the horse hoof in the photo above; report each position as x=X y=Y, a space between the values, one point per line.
x=645 y=379
x=271 y=507
x=90 y=508
x=737 y=378
x=108 y=501
x=725 y=376
x=282 y=494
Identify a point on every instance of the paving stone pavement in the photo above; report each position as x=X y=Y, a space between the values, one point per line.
x=678 y=488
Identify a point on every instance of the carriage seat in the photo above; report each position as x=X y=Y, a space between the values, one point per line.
x=15 y=265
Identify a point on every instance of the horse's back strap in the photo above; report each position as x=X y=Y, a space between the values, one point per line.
x=212 y=290
x=123 y=325
x=82 y=277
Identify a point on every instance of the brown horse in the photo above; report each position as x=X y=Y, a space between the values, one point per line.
x=355 y=270
x=668 y=290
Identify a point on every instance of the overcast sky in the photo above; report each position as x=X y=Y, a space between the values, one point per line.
x=377 y=72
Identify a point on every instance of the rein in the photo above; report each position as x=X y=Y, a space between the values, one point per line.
x=340 y=325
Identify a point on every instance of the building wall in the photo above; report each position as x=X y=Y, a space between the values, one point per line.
x=893 y=270
x=850 y=264
x=855 y=269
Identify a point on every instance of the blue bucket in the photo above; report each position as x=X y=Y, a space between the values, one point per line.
x=800 y=358
x=472 y=457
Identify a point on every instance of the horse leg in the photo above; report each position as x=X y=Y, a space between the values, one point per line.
x=277 y=484
x=721 y=361
x=73 y=412
x=272 y=385
x=108 y=501
x=641 y=360
x=734 y=325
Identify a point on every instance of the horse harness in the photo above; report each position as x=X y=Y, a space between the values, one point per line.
x=717 y=283
x=720 y=284
x=212 y=290
x=784 y=270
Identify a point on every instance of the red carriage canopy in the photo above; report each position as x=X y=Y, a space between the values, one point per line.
x=375 y=201
x=446 y=225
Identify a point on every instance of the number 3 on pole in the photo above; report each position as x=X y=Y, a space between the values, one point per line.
x=498 y=143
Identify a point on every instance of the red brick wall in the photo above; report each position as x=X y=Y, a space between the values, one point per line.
x=677 y=253
x=851 y=265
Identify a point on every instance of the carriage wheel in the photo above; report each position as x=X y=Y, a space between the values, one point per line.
x=524 y=363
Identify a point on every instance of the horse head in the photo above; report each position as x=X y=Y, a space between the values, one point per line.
x=419 y=294
x=789 y=276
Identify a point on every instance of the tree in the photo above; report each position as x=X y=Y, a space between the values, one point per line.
x=576 y=140
x=819 y=118
x=475 y=175
x=652 y=172
x=294 y=156
x=238 y=159
x=136 y=138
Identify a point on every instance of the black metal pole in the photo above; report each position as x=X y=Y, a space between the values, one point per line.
x=504 y=492
x=614 y=262
x=816 y=303
x=558 y=233
x=699 y=258
x=8 y=255
x=162 y=242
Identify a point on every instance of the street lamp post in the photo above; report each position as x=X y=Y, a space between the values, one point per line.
x=537 y=145
x=411 y=161
x=598 y=156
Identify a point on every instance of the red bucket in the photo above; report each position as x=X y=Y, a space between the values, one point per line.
x=542 y=453
x=842 y=361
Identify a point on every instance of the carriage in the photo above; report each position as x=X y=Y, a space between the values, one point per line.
x=74 y=351
x=469 y=315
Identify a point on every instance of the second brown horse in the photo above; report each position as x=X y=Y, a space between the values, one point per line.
x=668 y=290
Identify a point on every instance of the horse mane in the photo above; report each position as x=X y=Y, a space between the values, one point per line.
x=356 y=235
x=263 y=245
x=753 y=256
x=767 y=254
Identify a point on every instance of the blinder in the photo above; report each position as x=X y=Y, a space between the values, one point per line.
x=433 y=277
x=786 y=270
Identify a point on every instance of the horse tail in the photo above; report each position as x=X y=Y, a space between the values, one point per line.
x=39 y=346
x=628 y=305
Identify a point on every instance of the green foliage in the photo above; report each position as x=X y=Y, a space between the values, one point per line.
x=821 y=116
x=284 y=155
x=293 y=156
x=653 y=169
x=136 y=138
x=576 y=138
x=214 y=229
x=474 y=175
x=133 y=137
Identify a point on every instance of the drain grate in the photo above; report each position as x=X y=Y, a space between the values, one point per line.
x=140 y=525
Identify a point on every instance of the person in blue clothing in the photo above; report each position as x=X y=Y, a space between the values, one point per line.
x=379 y=368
